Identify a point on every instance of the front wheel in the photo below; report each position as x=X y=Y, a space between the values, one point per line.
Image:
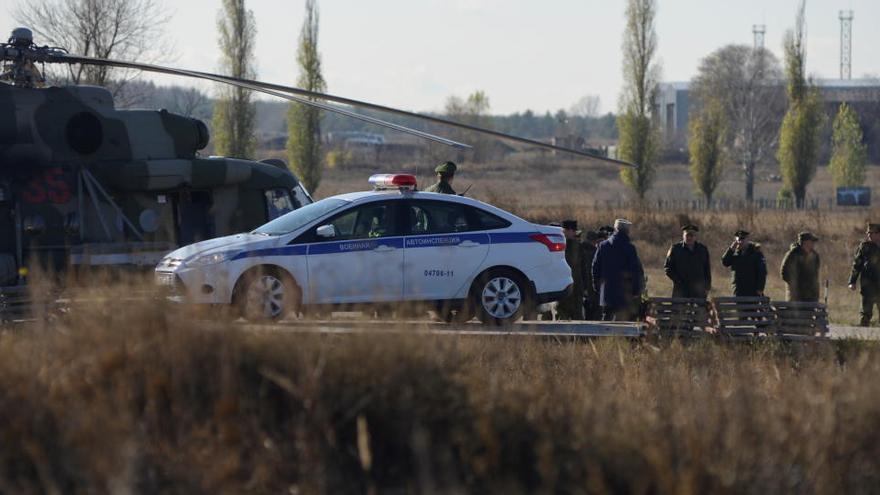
x=501 y=297
x=266 y=296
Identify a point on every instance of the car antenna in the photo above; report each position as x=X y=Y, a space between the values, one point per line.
x=468 y=188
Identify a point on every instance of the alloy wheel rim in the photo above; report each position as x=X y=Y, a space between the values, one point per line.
x=501 y=297
x=265 y=297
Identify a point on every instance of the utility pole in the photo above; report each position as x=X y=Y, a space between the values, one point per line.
x=846 y=18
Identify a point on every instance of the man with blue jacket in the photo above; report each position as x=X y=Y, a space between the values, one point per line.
x=617 y=275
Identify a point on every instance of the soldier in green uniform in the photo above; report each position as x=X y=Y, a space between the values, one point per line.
x=445 y=174
x=592 y=310
x=687 y=265
x=748 y=267
x=866 y=265
x=572 y=307
x=800 y=269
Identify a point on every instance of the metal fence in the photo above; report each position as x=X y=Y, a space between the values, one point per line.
x=721 y=205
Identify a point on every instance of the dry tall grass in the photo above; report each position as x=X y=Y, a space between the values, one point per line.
x=125 y=397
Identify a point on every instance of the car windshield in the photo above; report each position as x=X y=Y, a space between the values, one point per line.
x=300 y=217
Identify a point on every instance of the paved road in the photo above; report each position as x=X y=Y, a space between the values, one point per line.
x=548 y=329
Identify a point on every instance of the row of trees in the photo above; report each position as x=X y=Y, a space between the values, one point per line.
x=739 y=114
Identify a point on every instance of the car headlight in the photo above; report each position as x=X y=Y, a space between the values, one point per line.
x=212 y=259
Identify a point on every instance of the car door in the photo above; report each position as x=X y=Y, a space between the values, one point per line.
x=443 y=249
x=363 y=262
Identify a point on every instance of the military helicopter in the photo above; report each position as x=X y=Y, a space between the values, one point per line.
x=84 y=184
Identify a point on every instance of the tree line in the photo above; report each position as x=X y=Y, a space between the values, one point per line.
x=740 y=114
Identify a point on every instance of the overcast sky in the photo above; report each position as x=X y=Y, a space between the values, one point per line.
x=526 y=54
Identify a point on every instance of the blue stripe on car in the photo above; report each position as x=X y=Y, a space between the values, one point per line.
x=410 y=242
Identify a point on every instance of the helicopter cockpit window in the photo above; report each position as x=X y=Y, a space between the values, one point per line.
x=84 y=133
x=278 y=202
x=301 y=197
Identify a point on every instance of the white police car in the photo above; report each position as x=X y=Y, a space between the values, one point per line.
x=387 y=246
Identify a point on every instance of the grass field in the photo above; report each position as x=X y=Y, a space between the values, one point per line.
x=120 y=396
x=133 y=398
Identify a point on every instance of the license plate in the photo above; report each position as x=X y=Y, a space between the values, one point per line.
x=165 y=279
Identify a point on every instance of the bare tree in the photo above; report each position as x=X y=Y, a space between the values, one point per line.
x=130 y=30
x=745 y=83
x=189 y=102
x=587 y=106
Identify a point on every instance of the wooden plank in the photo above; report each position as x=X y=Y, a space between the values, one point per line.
x=754 y=323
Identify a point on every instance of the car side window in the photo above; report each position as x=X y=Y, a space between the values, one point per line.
x=365 y=222
x=487 y=221
x=278 y=202
x=436 y=217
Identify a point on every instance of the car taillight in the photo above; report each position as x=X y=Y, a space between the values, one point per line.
x=554 y=243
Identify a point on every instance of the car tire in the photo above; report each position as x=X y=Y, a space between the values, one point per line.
x=500 y=297
x=266 y=295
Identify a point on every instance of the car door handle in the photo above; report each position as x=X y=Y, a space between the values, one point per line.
x=384 y=249
x=469 y=244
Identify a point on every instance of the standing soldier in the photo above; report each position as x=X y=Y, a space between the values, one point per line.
x=687 y=265
x=800 y=269
x=592 y=309
x=867 y=265
x=618 y=276
x=748 y=268
x=572 y=307
x=445 y=174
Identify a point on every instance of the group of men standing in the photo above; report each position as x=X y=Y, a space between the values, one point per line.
x=609 y=279
x=607 y=272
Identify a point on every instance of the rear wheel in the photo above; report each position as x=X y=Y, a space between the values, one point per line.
x=501 y=297
x=266 y=295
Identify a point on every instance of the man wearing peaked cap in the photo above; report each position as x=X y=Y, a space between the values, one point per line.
x=866 y=265
x=687 y=265
x=748 y=267
x=445 y=173
x=800 y=269
x=592 y=310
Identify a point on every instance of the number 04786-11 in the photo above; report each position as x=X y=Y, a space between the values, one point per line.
x=439 y=273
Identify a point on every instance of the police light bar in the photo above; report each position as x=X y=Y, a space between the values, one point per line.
x=389 y=181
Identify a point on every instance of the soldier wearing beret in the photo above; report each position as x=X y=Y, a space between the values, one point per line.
x=748 y=267
x=866 y=265
x=572 y=307
x=445 y=174
x=800 y=269
x=687 y=265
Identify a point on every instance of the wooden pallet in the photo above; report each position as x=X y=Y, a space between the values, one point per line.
x=678 y=315
x=800 y=319
x=15 y=302
x=742 y=316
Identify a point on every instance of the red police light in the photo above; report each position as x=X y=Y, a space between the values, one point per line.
x=388 y=181
x=554 y=242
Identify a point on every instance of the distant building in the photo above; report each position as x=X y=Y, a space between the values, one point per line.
x=672 y=108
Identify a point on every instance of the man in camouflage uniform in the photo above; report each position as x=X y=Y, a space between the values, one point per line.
x=445 y=174
x=800 y=269
x=572 y=307
x=592 y=310
x=687 y=265
x=748 y=268
x=866 y=265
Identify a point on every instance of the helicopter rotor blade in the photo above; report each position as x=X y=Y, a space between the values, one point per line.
x=256 y=87
x=251 y=84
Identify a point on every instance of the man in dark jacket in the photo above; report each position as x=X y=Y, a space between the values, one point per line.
x=687 y=265
x=572 y=307
x=748 y=268
x=800 y=269
x=618 y=275
x=866 y=265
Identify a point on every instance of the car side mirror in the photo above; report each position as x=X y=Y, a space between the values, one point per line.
x=326 y=231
